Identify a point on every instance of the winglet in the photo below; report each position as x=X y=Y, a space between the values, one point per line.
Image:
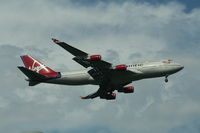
x=82 y=97
x=74 y=51
x=55 y=40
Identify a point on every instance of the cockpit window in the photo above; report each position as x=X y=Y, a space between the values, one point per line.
x=167 y=61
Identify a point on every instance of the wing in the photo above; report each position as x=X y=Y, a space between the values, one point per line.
x=82 y=57
x=100 y=67
x=102 y=92
x=72 y=50
x=93 y=95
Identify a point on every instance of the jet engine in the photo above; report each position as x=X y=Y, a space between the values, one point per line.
x=94 y=57
x=127 y=89
x=121 y=67
x=109 y=96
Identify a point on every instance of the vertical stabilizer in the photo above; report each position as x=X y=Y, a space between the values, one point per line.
x=38 y=67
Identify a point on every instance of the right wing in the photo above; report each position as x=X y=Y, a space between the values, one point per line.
x=103 y=93
x=93 y=95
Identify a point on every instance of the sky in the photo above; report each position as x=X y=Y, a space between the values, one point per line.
x=122 y=31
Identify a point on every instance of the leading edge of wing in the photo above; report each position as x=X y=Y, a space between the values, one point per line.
x=74 y=51
x=81 y=57
x=98 y=93
x=91 y=96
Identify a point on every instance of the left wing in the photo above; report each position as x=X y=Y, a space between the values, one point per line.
x=72 y=50
x=100 y=67
x=84 y=58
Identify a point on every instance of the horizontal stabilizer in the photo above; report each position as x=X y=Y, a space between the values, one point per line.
x=31 y=74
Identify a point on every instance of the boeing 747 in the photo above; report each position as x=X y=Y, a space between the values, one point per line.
x=107 y=76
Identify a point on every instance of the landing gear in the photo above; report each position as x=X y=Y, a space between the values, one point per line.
x=166 y=78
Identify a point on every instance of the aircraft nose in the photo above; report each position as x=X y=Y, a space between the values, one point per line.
x=180 y=67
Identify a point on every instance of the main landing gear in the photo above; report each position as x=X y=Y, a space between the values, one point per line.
x=166 y=78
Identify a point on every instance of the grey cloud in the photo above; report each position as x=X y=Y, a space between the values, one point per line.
x=136 y=57
x=9 y=58
x=32 y=132
x=112 y=56
x=189 y=127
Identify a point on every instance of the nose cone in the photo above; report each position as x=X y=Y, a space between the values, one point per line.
x=173 y=68
x=179 y=67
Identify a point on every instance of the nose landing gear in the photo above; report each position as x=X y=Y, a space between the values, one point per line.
x=166 y=78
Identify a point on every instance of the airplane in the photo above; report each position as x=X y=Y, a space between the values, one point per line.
x=109 y=77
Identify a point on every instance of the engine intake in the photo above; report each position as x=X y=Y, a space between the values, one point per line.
x=94 y=57
x=121 y=67
x=127 y=89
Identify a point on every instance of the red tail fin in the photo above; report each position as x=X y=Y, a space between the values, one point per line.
x=36 y=66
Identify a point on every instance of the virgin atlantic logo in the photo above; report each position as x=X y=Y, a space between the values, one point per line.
x=37 y=68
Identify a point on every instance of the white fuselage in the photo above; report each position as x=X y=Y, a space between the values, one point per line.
x=147 y=70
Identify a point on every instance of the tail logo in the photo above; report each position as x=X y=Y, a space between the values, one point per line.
x=37 y=67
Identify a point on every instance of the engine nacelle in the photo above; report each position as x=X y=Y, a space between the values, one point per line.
x=94 y=57
x=127 y=89
x=109 y=96
x=121 y=67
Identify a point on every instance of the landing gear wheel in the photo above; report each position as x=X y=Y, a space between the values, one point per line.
x=166 y=79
